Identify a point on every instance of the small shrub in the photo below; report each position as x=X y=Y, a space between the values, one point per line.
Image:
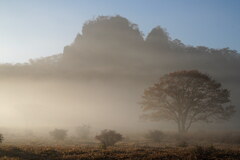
x=1 y=138
x=155 y=136
x=59 y=134
x=109 y=138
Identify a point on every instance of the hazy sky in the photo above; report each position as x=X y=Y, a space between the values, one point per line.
x=31 y=29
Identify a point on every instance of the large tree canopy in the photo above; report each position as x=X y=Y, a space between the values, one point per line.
x=187 y=97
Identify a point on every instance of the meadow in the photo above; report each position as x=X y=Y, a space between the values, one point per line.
x=123 y=151
x=194 y=146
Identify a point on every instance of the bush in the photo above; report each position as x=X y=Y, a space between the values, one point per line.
x=83 y=131
x=109 y=138
x=155 y=136
x=1 y=138
x=59 y=134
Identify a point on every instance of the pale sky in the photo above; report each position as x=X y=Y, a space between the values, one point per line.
x=32 y=29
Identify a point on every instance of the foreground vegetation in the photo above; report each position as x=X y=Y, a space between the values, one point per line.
x=122 y=151
x=109 y=144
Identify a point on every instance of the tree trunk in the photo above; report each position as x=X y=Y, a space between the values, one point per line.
x=181 y=127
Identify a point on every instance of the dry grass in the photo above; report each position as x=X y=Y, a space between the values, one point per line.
x=117 y=153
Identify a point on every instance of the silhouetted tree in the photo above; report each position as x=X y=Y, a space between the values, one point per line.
x=109 y=138
x=187 y=97
x=59 y=134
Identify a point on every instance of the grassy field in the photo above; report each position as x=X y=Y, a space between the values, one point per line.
x=192 y=146
x=130 y=152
